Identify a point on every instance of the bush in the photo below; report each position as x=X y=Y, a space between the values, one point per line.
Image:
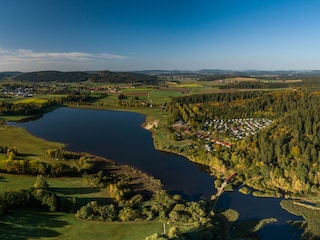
x=93 y=211
x=245 y=190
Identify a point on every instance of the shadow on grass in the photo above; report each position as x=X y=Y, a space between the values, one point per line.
x=3 y=179
x=75 y=191
x=24 y=155
x=26 y=223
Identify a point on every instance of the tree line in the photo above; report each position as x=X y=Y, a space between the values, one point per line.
x=255 y=85
x=123 y=77
x=16 y=165
x=31 y=108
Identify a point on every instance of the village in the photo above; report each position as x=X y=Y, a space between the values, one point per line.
x=225 y=132
x=18 y=91
x=45 y=88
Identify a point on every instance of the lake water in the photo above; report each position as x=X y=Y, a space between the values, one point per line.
x=119 y=136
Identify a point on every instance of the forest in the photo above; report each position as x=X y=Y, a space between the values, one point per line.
x=123 y=77
x=50 y=76
x=255 y=85
x=281 y=158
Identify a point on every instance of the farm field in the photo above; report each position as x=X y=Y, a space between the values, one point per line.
x=32 y=100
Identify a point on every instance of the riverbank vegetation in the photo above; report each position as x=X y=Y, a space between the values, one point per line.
x=310 y=213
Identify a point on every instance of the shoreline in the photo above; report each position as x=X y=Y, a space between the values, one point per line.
x=140 y=181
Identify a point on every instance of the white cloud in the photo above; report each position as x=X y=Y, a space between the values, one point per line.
x=28 y=60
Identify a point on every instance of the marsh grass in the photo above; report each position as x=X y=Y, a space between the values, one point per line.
x=311 y=214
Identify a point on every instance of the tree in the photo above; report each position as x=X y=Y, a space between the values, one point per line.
x=121 y=96
x=295 y=151
x=12 y=152
x=128 y=214
x=41 y=183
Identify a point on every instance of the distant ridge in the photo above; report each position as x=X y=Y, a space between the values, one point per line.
x=94 y=76
x=123 y=77
x=51 y=76
x=9 y=74
x=152 y=76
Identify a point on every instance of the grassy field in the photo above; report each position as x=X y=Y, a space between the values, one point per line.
x=26 y=223
x=36 y=100
x=28 y=146
x=12 y=118
x=32 y=100
x=64 y=186
x=10 y=182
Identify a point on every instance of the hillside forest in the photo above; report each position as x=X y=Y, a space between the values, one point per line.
x=281 y=158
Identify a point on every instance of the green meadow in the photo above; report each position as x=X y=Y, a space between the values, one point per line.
x=28 y=146
x=35 y=223
x=26 y=223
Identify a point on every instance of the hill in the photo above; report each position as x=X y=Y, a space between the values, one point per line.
x=4 y=75
x=123 y=77
x=52 y=76
x=99 y=77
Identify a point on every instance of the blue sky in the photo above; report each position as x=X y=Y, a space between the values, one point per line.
x=125 y=35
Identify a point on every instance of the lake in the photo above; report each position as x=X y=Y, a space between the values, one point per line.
x=119 y=136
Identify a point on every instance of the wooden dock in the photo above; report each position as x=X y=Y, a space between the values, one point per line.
x=220 y=190
x=224 y=184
